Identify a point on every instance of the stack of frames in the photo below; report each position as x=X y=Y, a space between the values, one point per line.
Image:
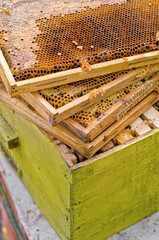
x=102 y=112
x=95 y=94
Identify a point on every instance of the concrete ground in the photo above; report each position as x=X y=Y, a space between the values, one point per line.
x=147 y=229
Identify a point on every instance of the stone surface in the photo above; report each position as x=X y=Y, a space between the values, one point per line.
x=147 y=229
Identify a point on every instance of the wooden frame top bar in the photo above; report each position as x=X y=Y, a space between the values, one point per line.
x=51 y=80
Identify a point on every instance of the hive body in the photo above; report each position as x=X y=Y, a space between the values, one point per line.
x=92 y=200
x=103 y=195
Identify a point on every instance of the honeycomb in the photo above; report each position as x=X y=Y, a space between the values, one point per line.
x=42 y=39
x=87 y=116
x=61 y=95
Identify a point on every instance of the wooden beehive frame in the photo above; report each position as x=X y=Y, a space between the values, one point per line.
x=77 y=105
x=51 y=80
x=64 y=135
x=88 y=133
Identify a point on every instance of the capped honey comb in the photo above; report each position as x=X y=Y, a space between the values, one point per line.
x=60 y=41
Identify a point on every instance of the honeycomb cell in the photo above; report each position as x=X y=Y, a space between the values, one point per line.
x=96 y=110
x=59 y=96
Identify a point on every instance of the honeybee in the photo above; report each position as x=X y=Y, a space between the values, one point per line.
x=80 y=48
x=95 y=92
x=5 y=10
x=100 y=91
x=85 y=66
x=125 y=59
x=75 y=43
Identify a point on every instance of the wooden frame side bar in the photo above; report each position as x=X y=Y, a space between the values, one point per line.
x=76 y=128
x=47 y=112
x=73 y=75
x=58 y=131
x=117 y=127
x=40 y=105
x=5 y=74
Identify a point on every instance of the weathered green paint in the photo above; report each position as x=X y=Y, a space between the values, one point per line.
x=123 y=188
x=7 y=134
x=44 y=172
x=92 y=200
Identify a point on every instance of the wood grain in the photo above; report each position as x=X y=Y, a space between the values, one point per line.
x=152 y=115
x=7 y=134
x=116 y=190
x=139 y=127
x=44 y=172
x=73 y=75
x=117 y=127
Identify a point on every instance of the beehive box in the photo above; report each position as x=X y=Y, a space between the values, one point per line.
x=93 y=199
x=69 y=38
x=98 y=197
x=41 y=53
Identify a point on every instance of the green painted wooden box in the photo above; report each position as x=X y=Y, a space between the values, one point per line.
x=94 y=199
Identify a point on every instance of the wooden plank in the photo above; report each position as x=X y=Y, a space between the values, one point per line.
x=123 y=137
x=57 y=131
x=76 y=128
x=7 y=134
x=6 y=74
x=80 y=157
x=40 y=105
x=106 y=147
x=117 y=127
x=60 y=78
x=66 y=153
x=138 y=127
x=151 y=115
x=77 y=105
